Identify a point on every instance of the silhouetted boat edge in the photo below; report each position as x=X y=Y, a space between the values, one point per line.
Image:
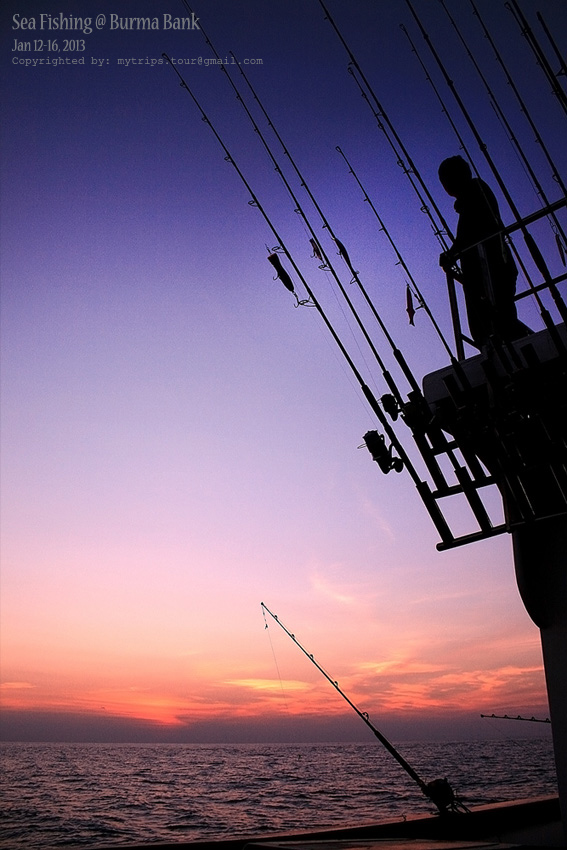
x=532 y=822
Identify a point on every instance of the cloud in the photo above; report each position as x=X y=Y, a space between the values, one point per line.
x=323 y=586
x=15 y=686
x=411 y=668
x=409 y=683
x=269 y=684
x=371 y=510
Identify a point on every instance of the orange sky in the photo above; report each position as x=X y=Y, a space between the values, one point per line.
x=440 y=661
x=180 y=440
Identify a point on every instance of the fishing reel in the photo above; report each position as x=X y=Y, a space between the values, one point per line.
x=381 y=453
x=442 y=794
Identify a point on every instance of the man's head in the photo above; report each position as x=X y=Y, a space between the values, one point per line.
x=454 y=174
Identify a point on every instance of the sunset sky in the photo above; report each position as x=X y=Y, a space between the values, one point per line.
x=180 y=442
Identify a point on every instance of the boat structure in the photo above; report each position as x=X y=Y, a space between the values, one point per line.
x=492 y=421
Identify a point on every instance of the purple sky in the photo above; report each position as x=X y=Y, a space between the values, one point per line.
x=180 y=442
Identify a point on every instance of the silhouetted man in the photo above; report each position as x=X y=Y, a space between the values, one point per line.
x=487 y=270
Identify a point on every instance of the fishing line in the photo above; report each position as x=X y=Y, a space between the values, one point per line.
x=355 y=338
x=438 y=231
x=317 y=254
x=444 y=108
x=340 y=305
x=275 y=661
x=363 y=401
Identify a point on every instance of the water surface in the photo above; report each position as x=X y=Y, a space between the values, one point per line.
x=55 y=795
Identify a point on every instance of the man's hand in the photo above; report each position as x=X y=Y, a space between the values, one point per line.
x=448 y=264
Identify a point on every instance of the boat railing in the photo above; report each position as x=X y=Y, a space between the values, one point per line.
x=533 y=290
x=495 y=423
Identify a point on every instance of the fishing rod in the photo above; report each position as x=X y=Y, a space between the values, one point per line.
x=399 y=256
x=467 y=486
x=383 y=121
x=280 y=243
x=528 y=238
x=440 y=437
x=416 y=412
x=439 y=230
x=556 y=226
x=383 y=454
x=522 y=104
x=317 y=248
x=439 y=791
x=326 y=226
x=541 y=59
x=429 y=438
x=380 y=114
x=507 y=717
x=562 y=63
x=444 y=109
x=464 y=148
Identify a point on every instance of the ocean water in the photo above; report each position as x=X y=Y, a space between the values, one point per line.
x=57 y=795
